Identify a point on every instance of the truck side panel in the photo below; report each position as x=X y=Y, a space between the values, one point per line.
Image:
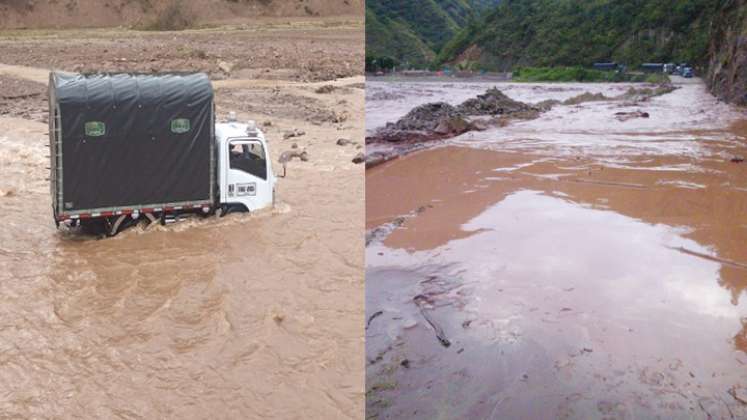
x=133 y=141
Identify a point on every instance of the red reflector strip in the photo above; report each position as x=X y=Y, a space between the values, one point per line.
x=63 y=217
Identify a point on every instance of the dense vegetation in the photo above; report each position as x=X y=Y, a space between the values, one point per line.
x=411 y=33
x=580 y=74
x=581 y=32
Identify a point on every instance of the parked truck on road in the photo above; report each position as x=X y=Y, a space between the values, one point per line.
x=124 y=147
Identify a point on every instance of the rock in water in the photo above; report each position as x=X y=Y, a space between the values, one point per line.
x=425 y=117
x=492 y=102
x=625 y=116
x=452 y=125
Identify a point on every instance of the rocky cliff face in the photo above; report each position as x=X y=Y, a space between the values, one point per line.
x=727 y=69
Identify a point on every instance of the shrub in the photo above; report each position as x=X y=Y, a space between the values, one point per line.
x=561 y=74
x=175 y=17
x=580 y=74
x=658 y=78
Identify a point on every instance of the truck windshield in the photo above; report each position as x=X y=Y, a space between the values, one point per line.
x=248 y=157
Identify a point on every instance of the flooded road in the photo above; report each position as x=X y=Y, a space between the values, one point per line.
x=248 y=316
x=577 y=265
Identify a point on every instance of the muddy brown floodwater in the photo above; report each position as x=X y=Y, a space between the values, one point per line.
x=248 y=316
x=579 y=266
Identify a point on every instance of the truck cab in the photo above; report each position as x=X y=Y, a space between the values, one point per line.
x=246 y=181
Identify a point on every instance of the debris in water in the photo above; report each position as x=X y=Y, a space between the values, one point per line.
x=625 y=116
x=739 y=393
x=737 y=159
x=372 y=317
x=452 y=126
x=586 y=97
x=440 y=334
x=377 y=158
x=405 y=364
x=492 y=102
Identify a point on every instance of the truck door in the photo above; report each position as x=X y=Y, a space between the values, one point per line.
x=248 y=180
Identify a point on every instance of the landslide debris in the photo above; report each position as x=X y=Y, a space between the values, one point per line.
x=438 y=120
x=425 y=117
x=492 y=102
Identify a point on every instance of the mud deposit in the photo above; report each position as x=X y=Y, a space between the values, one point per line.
x=579 y=266
x=248 y=316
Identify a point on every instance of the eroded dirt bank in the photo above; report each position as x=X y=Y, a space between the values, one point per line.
x=117 y=13
x=299 y=49
x=578 y=265
x=248 y=316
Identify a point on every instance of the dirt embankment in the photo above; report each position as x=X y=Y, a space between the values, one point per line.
x=23 y=99
x=727 y=70
x=312 y=50
x=110 y=13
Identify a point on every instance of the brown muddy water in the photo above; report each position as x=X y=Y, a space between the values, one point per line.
x=576 y=265
x=249 y=316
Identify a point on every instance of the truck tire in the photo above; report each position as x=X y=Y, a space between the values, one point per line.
x=116 y=226
x=232 y=208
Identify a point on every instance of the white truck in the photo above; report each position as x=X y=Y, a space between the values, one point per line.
x=130 y=146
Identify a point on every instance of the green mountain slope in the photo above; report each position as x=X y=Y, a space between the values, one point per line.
x=394 y=39
x=581 y=32
x=413 y=31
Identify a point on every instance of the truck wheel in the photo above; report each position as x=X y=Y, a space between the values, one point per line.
x=232 y=208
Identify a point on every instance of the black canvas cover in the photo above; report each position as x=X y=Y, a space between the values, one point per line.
x=131 y=140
